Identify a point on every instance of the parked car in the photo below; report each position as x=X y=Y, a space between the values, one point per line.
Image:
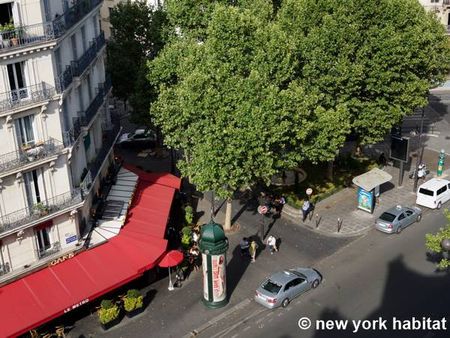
x=433 y=193
x=139 y=138
x=282 y=287
x=397 y=218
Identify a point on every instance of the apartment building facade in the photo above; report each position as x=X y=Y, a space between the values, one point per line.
x=56 y=129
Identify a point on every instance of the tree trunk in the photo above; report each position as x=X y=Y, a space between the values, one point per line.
x=227 y=224
x=330 y=170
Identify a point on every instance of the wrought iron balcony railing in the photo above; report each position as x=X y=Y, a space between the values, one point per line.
x=85 y=60
x=34 y=34
x=25 y=155
x=73 y=15
x=109 y=137
x=47 y=207
x=24 y=96
x=27 y=35
x=87 y=116
x=56 y=247
x=77 y=67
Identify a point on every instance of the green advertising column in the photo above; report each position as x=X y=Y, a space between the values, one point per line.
x=440 y=167
x=213 y=246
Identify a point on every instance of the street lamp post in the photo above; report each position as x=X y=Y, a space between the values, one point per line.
x=419 y=158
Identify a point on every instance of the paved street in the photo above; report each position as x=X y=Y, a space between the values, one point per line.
x=376 y=276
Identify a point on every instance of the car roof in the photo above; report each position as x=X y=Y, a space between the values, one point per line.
x=282 y=277
x=397 y=210
x=140 y=131
x=434 y=183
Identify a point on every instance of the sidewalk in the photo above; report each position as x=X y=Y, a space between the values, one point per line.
x=343 y=205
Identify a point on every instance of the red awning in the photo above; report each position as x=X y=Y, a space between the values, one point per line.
x=46 y=294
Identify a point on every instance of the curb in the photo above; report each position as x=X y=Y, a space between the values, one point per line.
x=218 y=318
x=295 y=221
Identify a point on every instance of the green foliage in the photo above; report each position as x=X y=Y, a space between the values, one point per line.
x=188 y=214
x=186 y=237
x=378 y=58
x=138 y=34
x=346 y=167
x=433 y=242
x=133 y=300
x=108 y=311
x=232 y=105
x=7 y=27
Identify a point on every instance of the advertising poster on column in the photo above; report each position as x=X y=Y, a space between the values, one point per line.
x=218 y=278
x=205 y=278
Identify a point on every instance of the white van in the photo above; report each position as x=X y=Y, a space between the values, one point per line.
x=433 y=193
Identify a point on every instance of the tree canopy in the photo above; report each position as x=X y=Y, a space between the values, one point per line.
x=250 y=87
x=378 y=57
x=231 y=102
x=138 y=33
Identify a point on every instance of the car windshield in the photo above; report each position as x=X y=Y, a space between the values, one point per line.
x=387 y=217
x=298 y=274
x=426 y=192
x=271 y=286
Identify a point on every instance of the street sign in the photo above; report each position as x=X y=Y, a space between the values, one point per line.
x=262 y=209
x=400 y=148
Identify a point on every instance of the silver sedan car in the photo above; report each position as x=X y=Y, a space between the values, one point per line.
x=397 y=218
x=282 y=287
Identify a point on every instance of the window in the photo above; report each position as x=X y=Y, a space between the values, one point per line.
x=83 y=38
x=59 y=67
x=25 y=130
x=16 y=77
x=441 y=190
x=6 y=15
x=402 y=216
x=73 y=40
x=426 y=192
x=95 y=22
x=34 y=187
x=89 y=87
x=408 y=213
x=43 y=239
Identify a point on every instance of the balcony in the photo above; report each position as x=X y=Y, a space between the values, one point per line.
x=91 y=111
x=25 y=96
x=45 y=208
x=77 y=67
x=85 y=60
x=109 y=138
x=27 y=36
x=73 y=15
x=26 y=155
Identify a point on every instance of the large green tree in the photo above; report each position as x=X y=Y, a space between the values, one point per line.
x=232 y=103
x=138 y=34
x=378 y=57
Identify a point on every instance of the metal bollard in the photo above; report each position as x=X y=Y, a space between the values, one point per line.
x=318 y=218
x=339 y=224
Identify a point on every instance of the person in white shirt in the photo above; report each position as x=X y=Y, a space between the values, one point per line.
x=272 y=243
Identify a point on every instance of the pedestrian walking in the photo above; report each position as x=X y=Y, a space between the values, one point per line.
x=305 y=209
x=272 y=244
x=244 y=246
x=252 y=250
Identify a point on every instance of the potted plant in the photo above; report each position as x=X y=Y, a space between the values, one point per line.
x=133 y=303
x=41 y=209
x=8 y=33
x=108 y=314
